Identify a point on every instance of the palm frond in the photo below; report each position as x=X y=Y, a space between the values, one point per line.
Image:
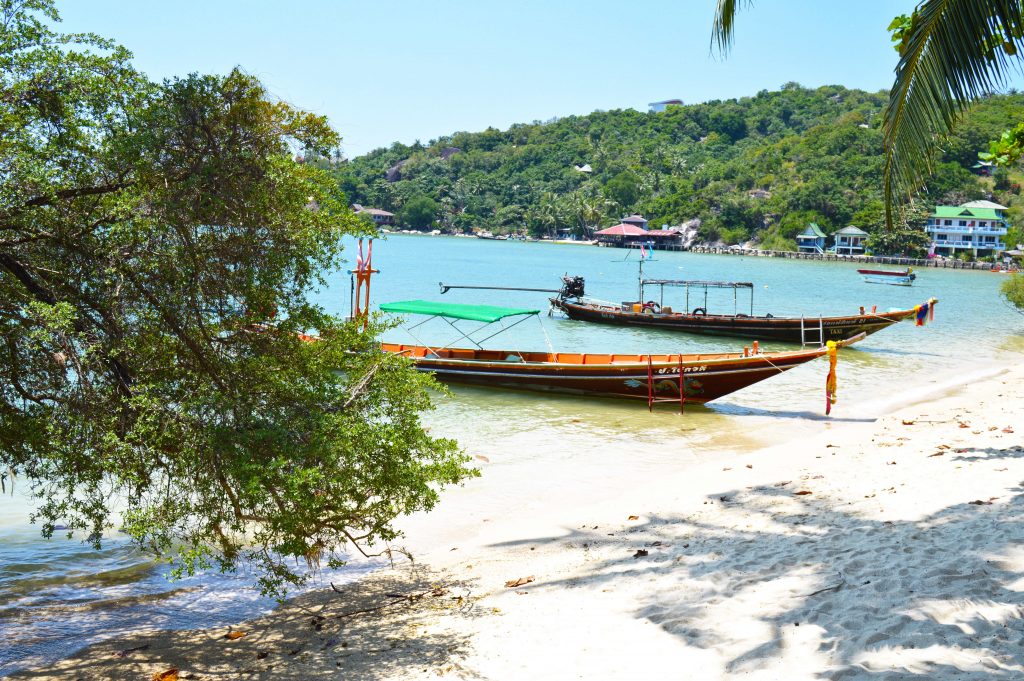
x=725 y=20
x=957 y=51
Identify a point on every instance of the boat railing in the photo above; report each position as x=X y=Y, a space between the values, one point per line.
x=687 y=284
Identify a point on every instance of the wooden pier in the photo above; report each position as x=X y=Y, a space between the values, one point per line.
x=944 y=263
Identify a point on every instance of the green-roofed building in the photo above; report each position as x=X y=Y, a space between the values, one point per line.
x=812 y=239
x=975 y=226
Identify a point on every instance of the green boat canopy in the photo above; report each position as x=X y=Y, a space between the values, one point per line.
x=478 y=313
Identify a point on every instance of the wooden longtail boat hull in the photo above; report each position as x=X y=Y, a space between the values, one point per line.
x=706 y=376
x=783 y=329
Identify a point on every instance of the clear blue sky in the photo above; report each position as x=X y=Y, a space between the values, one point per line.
x=406 y=70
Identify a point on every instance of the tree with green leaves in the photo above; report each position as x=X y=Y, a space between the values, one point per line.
x=905 y=237
x=623 y=189
x=158 y=243
x=419 y=212
x=951 y=53
x=1013 y=290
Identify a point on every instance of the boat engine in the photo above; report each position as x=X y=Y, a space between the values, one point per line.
x=572 y=287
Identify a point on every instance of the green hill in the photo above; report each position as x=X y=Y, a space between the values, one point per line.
x=757 y=168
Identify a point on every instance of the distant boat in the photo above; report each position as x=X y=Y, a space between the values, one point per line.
x=894 y=277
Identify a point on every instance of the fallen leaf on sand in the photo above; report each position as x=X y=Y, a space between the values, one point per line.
x=943 y=446
x=750 y=465
x=640 y=553
x=802 y=492
x=908 y=423
x=234 y=635
x=964 y=425
x=633 y=517
x=827 y=446
x=1007 y=429
x=513 y=583
x=993 y=427
x=936 y=454
x=890 y=463
x=483 y=458
x=166 y=675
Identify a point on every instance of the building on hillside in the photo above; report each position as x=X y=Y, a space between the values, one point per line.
x=657 y=107
x=635 y=220
x=849 y=241
x=975 y=226
x=811 y=240
x=380 y=217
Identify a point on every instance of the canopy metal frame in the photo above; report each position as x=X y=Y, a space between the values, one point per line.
x=706 y=285
x=467 y=335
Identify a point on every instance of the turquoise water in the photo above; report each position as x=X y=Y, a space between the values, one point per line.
x=58 y=595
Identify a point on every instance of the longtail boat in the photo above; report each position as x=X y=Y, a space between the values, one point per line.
x=805 y=330
x=680 y=378
x=903 y=277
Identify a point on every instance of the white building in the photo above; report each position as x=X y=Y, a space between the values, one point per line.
x=975 y=226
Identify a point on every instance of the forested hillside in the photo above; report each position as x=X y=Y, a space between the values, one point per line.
x=757 y=168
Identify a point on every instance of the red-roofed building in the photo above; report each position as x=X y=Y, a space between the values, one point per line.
x=622 y=234
x=622 y=229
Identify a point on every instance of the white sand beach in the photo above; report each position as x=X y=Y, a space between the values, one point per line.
x=887 y=548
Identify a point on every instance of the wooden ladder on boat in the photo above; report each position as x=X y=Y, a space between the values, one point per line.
x=652 y=398
x=808 y=331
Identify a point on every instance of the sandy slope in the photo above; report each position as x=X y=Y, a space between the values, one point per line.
x=888 y=549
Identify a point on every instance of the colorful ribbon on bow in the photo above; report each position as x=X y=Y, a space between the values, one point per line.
x=925 y=313
x=830 y=379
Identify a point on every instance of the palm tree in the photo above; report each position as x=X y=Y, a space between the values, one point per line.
x=951 y=53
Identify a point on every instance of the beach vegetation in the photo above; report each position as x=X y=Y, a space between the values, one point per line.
x=419 y=213
x=158 y=245
x=1013 y=290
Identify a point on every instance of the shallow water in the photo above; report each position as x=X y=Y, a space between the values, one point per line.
x=58 y=595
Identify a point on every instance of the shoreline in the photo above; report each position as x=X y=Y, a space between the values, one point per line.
x=944 y=263
x=883 y=546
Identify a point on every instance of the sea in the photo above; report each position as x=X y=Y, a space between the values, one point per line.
x=59 y=595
